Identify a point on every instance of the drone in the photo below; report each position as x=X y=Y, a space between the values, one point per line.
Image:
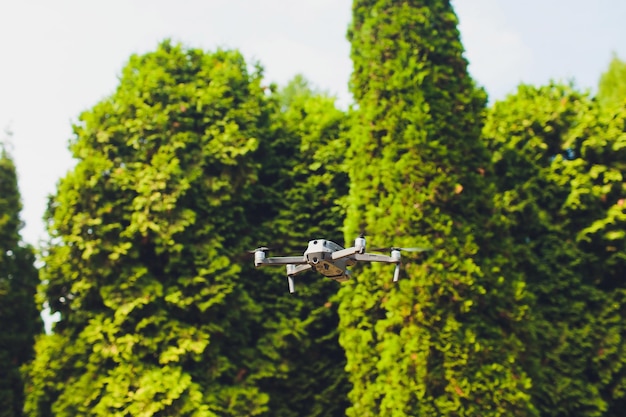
x=330 y=259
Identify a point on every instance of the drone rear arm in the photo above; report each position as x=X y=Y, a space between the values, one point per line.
x=344 y=253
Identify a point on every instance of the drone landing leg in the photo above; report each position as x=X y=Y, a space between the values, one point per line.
x=293 y=270
x=396 y=273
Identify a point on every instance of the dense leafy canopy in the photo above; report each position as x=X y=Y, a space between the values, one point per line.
x=19 y=316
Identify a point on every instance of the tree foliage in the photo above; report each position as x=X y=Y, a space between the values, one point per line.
x=444 y=341
x=137 y=266
x=560 y=169
x=18 y=284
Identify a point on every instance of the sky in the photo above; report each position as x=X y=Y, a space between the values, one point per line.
x=61 y=58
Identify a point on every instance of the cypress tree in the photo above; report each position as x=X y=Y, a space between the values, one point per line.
x=153 y=319
x=18 y=284
x=446 y=339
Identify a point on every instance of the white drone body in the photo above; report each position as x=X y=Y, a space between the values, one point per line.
x=329 y=259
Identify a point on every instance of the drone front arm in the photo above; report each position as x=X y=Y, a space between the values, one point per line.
x=393 y=259
x=344 y=253
x=373 y=257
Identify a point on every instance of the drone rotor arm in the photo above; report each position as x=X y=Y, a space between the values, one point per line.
x=374 y=257
x=344 y=253
x=410 y=249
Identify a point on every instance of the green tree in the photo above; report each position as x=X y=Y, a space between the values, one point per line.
x=445 y=340
x=18 y=285
x=301 y=182
x=603 y=239
x=154 y=320
x=612 y=85
x=560 y=170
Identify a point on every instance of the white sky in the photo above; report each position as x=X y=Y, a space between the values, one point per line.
x=61 y=57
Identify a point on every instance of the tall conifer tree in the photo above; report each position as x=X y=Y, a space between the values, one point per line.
x=444 y=340
x=19 y=316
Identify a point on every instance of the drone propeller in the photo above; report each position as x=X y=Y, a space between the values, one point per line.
x=411 y=249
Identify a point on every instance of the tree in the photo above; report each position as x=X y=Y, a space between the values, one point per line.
x=612 y=85
x=446 y=339
x=153 y=319
x=301 y=182
x=18 y=285
x=560 y=171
